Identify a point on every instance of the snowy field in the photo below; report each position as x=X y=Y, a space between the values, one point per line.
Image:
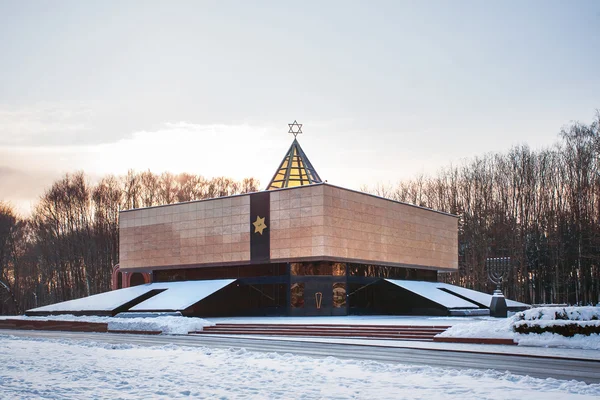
x=523 y=350
x=63 y=369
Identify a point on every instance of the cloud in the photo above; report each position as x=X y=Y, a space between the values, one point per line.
x=340 y=156
x=211 y=150
x=236 y=151
x=43 y=125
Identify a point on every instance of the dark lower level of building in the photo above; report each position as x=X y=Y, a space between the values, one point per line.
x=304 y=289
x=322 y=288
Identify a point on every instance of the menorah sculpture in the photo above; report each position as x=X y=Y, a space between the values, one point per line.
x=498 y=269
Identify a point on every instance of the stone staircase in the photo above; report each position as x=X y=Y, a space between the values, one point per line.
x=396 y=332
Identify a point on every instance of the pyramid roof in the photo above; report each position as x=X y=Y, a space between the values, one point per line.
x=294 y=170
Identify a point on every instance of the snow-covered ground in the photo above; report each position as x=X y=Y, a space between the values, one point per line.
x=546 y=351
x=36 y=368
x=547 y=316
x=168 y=325
x=461 y=327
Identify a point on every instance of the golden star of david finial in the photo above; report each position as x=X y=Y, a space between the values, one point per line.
x=259 y=225
x=295 y=128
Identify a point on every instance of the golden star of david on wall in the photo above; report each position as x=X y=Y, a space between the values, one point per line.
x=295 y=128
x=259 y=225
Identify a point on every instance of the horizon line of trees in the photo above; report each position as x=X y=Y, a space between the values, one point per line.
x=69 y=244
x=539 y=208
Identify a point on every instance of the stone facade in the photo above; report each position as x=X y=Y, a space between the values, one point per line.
x=312 y=222
x=325 y=221
x=297 y=222
x=201 y=232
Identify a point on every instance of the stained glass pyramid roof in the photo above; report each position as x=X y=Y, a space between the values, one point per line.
x=295 y=170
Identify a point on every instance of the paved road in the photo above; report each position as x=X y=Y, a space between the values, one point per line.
x=540 y=367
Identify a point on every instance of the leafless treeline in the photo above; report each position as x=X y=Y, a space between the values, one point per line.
x=68 y=246
x=540 y=208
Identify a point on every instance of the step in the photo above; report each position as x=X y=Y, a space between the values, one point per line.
x=339 y=326
x=340 y=331
x=333 y=332
x=327 y=327
x=329 y=334
x=317 y=326
x=309 y=333
x=396 y=332
x=285 y=326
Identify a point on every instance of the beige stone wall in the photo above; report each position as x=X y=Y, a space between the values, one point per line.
x=317 y=221
x=297 y=229
x=202 y=232
x=359 y=226
x=327 y=221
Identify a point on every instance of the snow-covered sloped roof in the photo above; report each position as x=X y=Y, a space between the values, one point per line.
x=180 y=295
x=430 y=291
x=106 y=301
x=433 y=291
x=478 y=297
x=175 y=296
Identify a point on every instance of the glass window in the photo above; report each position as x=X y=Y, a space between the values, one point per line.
x=380 y=271
x=296 y=269
x=339 y=294
x=192 y=274
x=322 y=268
x=339 y=269
x=297 y=295
x=318 y=269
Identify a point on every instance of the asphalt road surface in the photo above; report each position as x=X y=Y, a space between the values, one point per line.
x=540 y=367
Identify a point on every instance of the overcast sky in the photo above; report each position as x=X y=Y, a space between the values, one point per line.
x=385 y=90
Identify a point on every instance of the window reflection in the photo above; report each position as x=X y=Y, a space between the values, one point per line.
x=339 y=269
x=174 y=275
x=322 y=268
x=381 y=271
x=297 y=295
x=296 y=269
x=339 y=294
